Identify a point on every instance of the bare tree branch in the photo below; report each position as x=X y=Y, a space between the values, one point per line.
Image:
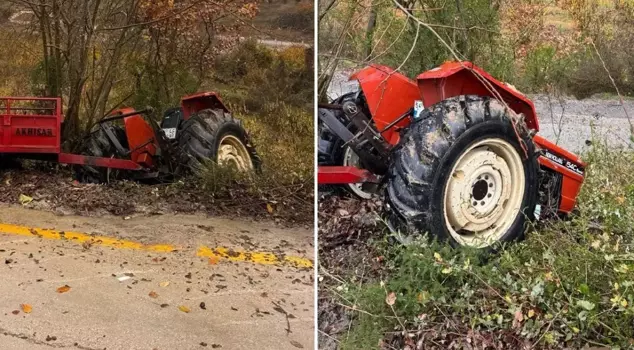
x=605 y=67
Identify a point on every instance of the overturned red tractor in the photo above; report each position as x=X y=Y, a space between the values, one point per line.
x=130 y=143
x=455 y=154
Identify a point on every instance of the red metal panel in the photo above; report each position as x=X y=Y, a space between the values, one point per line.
x=141 y=140
x=545 y=144
x=98 y=161
x=389 y=95
x=194 y=103
x=464 y=78
x=30 y=125
x=571 y=184
x=343 y=175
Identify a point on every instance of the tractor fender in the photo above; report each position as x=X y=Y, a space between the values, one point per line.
x=465 y=78
x=388 y=95
x=204 y=100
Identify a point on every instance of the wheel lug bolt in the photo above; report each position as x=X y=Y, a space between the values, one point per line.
x=475 y=203
x=489 y=195
x=482 y=203
x=490 y=185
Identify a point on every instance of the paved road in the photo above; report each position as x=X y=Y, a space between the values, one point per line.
x=127 y=279
x=569 y=122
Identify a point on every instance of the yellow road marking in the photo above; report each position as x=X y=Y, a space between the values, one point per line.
x=83 y=238
x=203 y=251
x=256 y=257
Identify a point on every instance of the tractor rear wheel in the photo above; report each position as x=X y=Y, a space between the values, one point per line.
x=460 y=174
x=213 y=134
x=97 y=144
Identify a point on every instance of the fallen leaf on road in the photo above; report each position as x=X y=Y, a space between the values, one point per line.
x=164 y=284
x=184 y=308
x=26 y=308
x=390 y=299
x=153 y=295
x=213 y=260
x=15 y=312
x=296 y=344
x=203 y=306
x=24 y=199
x=63 y=289
x=269 y=208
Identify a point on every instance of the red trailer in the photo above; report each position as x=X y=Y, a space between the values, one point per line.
x=129 y=140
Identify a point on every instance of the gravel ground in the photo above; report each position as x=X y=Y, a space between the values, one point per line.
x=570 y=122
x=567 y=121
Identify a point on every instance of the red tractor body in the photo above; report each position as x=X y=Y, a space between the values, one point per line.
x=32 y=128
x=390 y=96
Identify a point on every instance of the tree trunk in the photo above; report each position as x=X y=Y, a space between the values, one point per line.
x=369 y=32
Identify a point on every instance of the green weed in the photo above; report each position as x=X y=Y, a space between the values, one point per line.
x=569 y=284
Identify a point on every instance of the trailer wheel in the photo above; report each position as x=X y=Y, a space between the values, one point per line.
x=212 y=134
x=97 y=144
x=461 y=175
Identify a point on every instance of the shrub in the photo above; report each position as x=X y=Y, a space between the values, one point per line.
x=302 y=19
x=569 y=284
x=543 y=69
x=257 y=75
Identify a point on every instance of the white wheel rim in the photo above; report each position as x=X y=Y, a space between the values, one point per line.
x=350 y=158
x=232 y=152
x=484 y=193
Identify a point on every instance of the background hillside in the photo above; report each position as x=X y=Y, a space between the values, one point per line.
x=538 y=46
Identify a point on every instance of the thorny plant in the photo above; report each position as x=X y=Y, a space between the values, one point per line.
x=557 y=124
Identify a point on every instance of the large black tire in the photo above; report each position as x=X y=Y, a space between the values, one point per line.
x=200 y=137
x=97 y=144
x=423 y=163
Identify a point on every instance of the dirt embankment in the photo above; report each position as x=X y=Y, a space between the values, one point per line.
x=347 y=228
x=52 y=188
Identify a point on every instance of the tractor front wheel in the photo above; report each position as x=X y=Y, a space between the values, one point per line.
x=461 y=174
x=213 y=134
x=98 y=144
